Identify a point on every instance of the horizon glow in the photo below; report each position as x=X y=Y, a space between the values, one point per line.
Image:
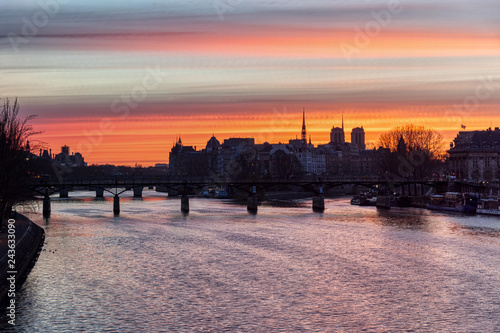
x=245 y=70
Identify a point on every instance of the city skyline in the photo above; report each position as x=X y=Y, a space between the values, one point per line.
x=245 y=69
x=340 y=134
x=357 y=136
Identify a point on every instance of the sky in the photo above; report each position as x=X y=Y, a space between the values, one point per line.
x=119 y=81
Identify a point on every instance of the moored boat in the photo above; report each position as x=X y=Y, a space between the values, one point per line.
x=454 y=202
x=360 y=200
x=221 y=194
x=208 y=192
x=489 y=206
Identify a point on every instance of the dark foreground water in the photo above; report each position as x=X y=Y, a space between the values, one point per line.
x=287 y=269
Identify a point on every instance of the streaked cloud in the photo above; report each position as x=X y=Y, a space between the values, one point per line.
x=229 y=75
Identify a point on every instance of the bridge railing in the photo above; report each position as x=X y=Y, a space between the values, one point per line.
x=125 y=181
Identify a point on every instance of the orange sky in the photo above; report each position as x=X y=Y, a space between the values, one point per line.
x=149 y=73
x=148 y=141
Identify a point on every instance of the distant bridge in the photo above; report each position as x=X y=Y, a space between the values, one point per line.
x=188 y=186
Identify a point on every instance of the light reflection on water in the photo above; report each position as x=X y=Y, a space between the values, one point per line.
x=285 y=269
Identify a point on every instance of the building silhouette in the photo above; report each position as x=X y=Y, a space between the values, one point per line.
x=73 y=160
x=303 y=135
x=186 y=160
x=337 y=134
x=358 y=137
x=212 y=144
x=242 y=158
x=475 y=155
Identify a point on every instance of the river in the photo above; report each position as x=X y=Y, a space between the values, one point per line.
x=286 y=269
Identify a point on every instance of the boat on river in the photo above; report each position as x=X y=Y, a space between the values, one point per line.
x=360 y=200
x=489 y=206
x=454 y=202
x=221 y=194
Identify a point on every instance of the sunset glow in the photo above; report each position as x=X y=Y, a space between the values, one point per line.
x=119 y=82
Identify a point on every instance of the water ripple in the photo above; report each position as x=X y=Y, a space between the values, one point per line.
x=218 y=269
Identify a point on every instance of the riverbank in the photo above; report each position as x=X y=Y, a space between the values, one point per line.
x=29 y=239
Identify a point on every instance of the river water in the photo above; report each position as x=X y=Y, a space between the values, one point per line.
x=286 y=269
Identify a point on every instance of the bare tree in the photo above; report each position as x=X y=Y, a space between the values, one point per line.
x=416 y=138
x=14 y=164
x=414 y=150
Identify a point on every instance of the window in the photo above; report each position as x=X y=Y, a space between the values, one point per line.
x=474 y=162
x=486 y=161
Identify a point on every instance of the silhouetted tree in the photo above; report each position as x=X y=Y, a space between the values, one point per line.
x=245 y=165
x=415 y=137
x=285 y=166
x=413 y=151
x=14 y=161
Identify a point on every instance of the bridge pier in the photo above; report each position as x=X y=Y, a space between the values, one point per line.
x=46 y=206
x=116 y=205
x=64 y=193
x=252 y=204
x=252 y=201
x=185 y=204
x=319 y=202
x=99 y=193
x=384 y=201
x=138 y=192
x=354 y=189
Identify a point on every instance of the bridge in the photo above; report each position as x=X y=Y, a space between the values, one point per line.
x=318 y=186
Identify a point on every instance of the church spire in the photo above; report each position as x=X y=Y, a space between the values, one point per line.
x=304 y=134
